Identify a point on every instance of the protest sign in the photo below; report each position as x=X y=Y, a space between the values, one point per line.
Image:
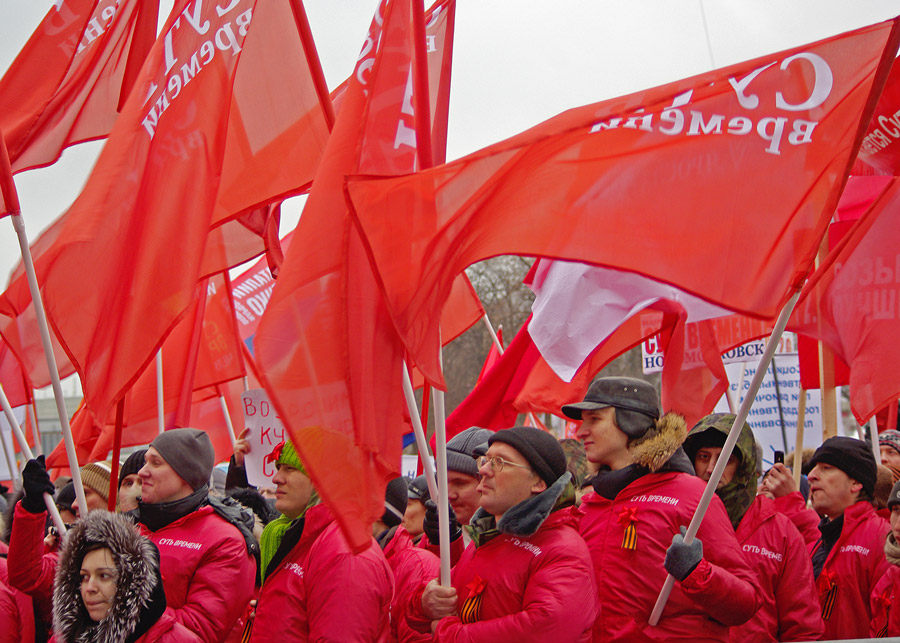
x=264 y=432
x=766 y=415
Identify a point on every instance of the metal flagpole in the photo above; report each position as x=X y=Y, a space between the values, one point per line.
x=419 y=432
x=11 y=199
x=160 y=396
x=20 y=436
x=728 y=447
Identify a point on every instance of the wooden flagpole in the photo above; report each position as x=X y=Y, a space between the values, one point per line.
x=116 y=454
x=728 y=447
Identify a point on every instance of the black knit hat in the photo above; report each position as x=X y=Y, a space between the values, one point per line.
x=395 y=499
x=894 y=498
x=189 y=452
x=460 y=450
x=132 y=464
x=541 y=449
x=852 y=456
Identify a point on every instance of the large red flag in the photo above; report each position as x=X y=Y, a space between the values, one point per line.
x=67 y=84
x=851 y=304
x=880 y=151
x=327 y=350
x=721 y=184
x=223 y=118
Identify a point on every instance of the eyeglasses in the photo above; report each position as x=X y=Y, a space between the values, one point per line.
x=497 y=463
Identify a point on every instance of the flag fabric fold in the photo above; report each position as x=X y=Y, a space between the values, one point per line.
x=328 y=352
x=851 y=304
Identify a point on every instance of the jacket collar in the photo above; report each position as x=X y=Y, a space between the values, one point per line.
x=526 y=517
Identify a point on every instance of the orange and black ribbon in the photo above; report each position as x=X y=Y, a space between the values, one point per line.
x=470 y=612
x=830 y=596
x=628 y=518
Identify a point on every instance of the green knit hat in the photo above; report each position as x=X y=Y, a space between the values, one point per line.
x=285 y=453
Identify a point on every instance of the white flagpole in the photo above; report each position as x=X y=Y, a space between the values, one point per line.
x=873 y=434
x=440 y=442
x=728 y=447
x=38 y=447
x=10 y=459
x=160 y=397
x=419 y=432
x=224 y=404
x=38 y=302
x=20 y=436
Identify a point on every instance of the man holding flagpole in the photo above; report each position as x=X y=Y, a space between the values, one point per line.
x=633 y=524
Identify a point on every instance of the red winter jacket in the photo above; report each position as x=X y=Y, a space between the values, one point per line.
x=519 y=588
x=719 y=593
x=207 y=572
x=805 y=520
x=412 y=567
x=16 y=611
x=321 y=591
x=853 y=567
x=31 y=571
x=885 y=605
x=776 y=552
x=168 y=630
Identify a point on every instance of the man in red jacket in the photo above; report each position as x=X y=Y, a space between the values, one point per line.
x=848 y=560
x=646 y=495
x=771 y=543
x=314 y=587
x=203 y=548
x=527 y=574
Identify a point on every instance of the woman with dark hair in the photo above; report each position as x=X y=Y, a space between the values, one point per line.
x=108 y=587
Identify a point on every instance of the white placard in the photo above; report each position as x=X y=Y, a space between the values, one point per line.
x=264 y=432
x=765 y=415
x=652 y=353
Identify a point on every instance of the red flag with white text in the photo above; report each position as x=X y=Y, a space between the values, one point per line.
x=69 y=81
x=223 y=118
x=674 y=169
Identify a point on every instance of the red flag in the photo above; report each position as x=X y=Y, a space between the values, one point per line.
x=327 y=350
x=850 y=303
x=880 y=151
x=492 y=357
x=672 y=168
x=67 y=84
x=14 y=382
x=223 y=118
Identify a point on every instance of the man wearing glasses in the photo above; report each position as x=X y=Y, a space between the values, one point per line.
x=527 y=573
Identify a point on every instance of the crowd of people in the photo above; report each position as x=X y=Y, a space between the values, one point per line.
x=549 y=541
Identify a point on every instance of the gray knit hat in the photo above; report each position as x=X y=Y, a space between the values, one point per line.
x=890 y=438
x=461 y=450
x=189 y=452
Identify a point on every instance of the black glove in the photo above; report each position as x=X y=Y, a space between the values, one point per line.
x=682 y=559
x=35 y=481
x=431 y=524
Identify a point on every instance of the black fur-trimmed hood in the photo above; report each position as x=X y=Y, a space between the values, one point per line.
x=139 y=599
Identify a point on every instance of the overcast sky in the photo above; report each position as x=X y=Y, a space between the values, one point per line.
x=515 y=63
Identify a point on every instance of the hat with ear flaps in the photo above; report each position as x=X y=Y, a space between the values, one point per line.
x=636 y=403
